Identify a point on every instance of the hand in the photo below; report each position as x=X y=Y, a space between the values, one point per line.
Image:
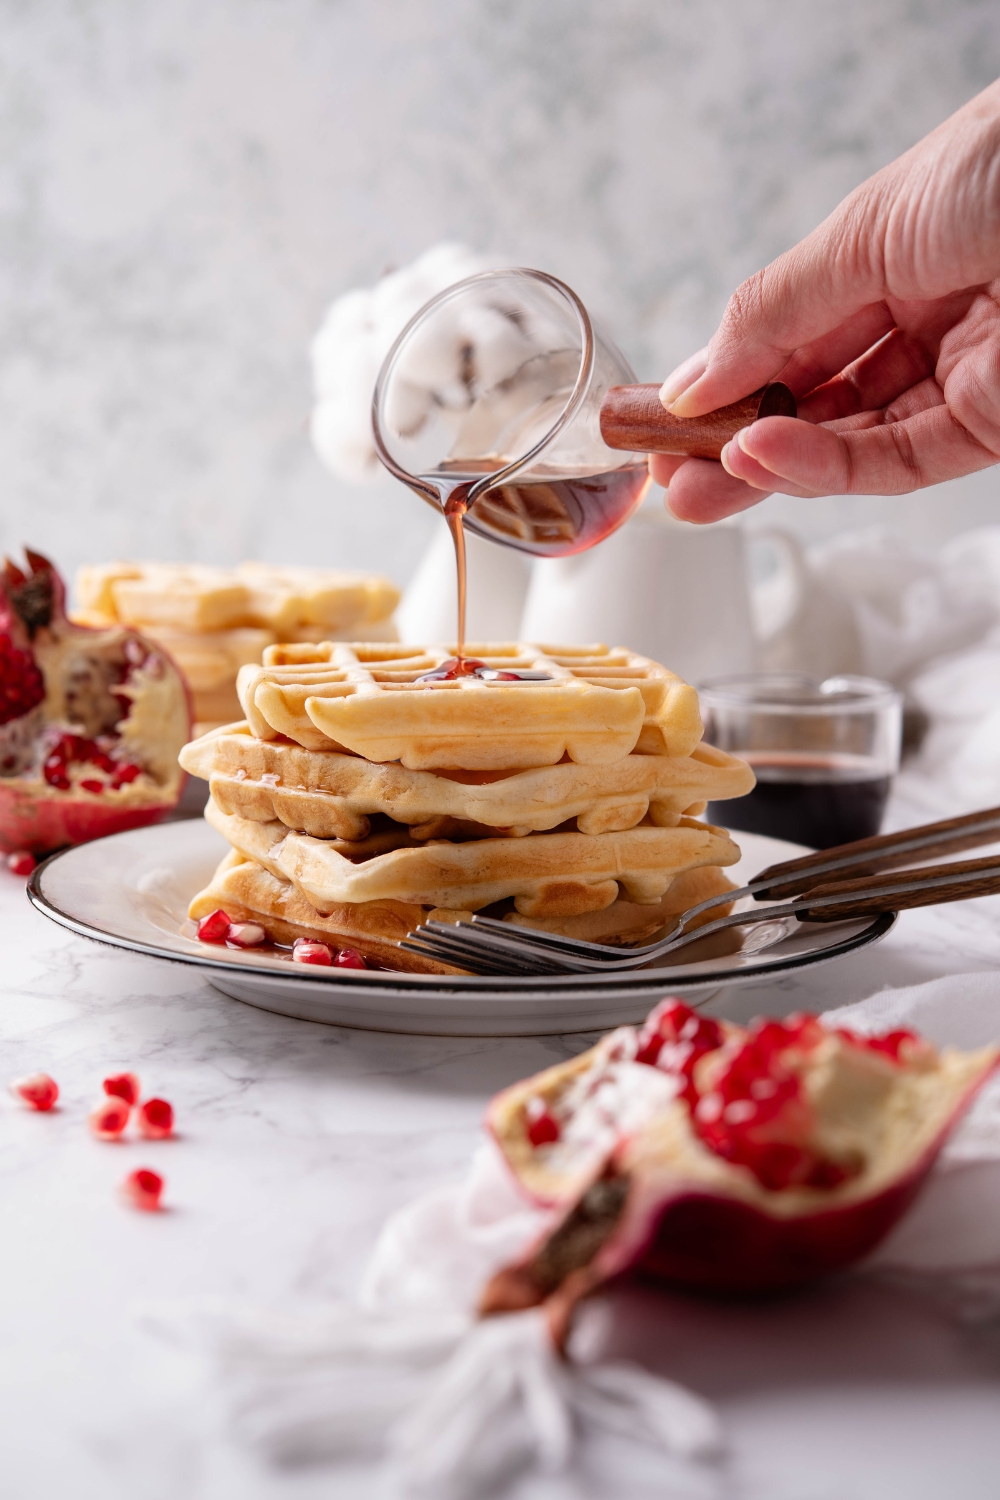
x=885 y=323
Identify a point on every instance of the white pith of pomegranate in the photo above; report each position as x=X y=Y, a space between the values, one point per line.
x=91 y=721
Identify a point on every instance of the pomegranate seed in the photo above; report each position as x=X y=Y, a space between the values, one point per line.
x=54 y=771
x=125 y=771
x=123 y=1086
x=214 y=927
x=245 y=935
x=37 y=1090
x=542 y=1125
x=21 y=862
x=305 y=951
x=155 y=1119
x=109 y=1118
x=91 y=784
x=143 y=1189
x=349 y=958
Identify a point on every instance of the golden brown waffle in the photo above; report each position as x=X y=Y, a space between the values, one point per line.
x=595 y=706
x=547 y=874
x=197 y=597
x=250 y=894
x=247 y=892
x=627 y=922
x=331 y=795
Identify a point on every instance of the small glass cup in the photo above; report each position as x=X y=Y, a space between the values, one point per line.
x=824 y=753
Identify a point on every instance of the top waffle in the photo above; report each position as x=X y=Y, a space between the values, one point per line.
x=595 y=706
x=294 y=603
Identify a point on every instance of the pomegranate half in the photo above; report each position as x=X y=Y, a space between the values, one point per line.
x=723 y=1159
x=91 y=721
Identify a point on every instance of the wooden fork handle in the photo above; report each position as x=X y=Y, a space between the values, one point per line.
x=881 y=853
x=634 y=418
x=928 y=892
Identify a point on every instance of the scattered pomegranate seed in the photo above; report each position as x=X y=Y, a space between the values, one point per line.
x=155 y=1119
x=21 y=862
x=305 y=951
x=542 y=1125
x=91 y=784
x=214 y=927
x=37 y=1090
x=109 y=1118
x=143 y=1189
x=245 y=935
x=123 y=1086
x=349 y=958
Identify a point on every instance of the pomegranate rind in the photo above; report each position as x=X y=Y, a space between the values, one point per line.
x=30 y=819
x=40 y=817
x=694 y=1221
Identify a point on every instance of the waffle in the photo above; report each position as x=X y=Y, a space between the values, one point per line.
x=596 y=706
x=547 y=874
x=196 y=597
x=627 y=922
x=247 y=892
x=331 y=795
x=250 y=894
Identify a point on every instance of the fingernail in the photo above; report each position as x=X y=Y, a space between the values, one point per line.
x=735 y=444
x=685 y=375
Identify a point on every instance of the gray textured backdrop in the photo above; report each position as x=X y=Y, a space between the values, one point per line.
x=185 y=183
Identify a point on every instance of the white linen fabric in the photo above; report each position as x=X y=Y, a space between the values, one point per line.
x=457 y=1407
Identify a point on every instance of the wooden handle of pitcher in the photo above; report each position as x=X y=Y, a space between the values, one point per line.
x=634 y=418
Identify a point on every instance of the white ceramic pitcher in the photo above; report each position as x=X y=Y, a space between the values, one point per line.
x=674 y=592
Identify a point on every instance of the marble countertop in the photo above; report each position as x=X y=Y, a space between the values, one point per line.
x=294 y=1143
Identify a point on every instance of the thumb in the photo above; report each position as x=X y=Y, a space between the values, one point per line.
x=810 y=290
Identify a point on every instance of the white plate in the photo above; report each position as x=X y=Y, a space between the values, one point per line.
x=132 y=891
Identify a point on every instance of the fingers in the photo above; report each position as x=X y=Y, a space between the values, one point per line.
x=663 y=467
x=803 y=296
x=883 y=373
x=827 y=356
x=886 y=459
x=701 y=491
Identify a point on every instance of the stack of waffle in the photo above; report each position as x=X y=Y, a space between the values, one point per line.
x=213 y=621
x=366 y=792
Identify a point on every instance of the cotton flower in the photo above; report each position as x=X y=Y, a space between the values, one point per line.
x=356 y=334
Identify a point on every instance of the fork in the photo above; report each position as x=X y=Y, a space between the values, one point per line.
x=488 y=946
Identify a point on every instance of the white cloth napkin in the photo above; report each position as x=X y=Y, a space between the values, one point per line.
x=457 y=1408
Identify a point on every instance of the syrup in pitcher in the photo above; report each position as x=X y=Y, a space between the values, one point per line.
x=550 y=514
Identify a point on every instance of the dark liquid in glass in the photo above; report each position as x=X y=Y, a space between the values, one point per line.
x=819 y=800
x=548 y=515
